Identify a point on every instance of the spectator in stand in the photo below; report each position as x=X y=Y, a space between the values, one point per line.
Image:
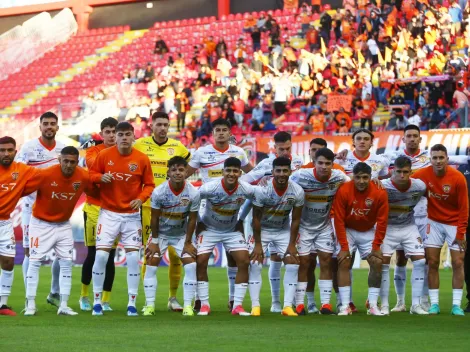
x=260 y=23
x=152 y=89
x=257 y=65
x=275 y=61
x=312 y=39
x=282 y=90
x=256 y=39
x=415 y=119
x=210 y=46
x=149 y=73
x=182 y=107
x=224 y=66
x=368 y=110
x=461 y=105
x=240 y=53
x=160 y=47
x=126 y=78
x=331 y=125
x=344 y=116
x=397 y=99
x=221 y=48
x=295 y=81
x=239 y=110
x=257 y=113
x=250 y=24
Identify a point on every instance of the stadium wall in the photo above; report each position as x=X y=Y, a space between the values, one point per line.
x=7 y=23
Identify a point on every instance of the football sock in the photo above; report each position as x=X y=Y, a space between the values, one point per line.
x=425 y=294
x=310 y=297
x=231 y=274
x=84 y=290
x=98 y=274
x=203 y=292
x=6 y=281
x=174 y=271
x=65 y=281
x=300 y=293
x=351 y=287
x=239 y=295
x=385 y=286
x=290 y=284
x=325 y=290
x=417 y=280
x=87 y=269
x=109 y=277
x=373 y=296
x=32 y=280
x=400 y=282
x=457 y=296
x=344 y=293
x=274 y=275
x=254 y=283
x=55 y=270
x=106 y=295
x=189 y=283
x=434 y=296
x=150 y=285
x=25 y=270
x=133 y=276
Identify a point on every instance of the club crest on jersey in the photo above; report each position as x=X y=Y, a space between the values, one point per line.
x=15 y=175
x=240 y=200
x=110 y=163
x=415 y=196
x=423 y=159
x=290 y=200
x=446 y=188
x=133 y=167
x=374 y=167
x=170 y=151
x=368 y=202
x=184 y=201
x=332 y=186
x=53 y=184
x=76 y=186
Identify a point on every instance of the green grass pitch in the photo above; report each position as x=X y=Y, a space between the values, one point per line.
x=220 y=331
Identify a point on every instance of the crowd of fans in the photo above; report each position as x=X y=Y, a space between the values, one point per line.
x=404 y=59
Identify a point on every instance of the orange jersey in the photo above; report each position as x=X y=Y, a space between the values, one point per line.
x=447 y=198
x=57 y=195
x=133 y=179
x=360 y=211
x=16 y=181
x=311 y=166
x=90 y=157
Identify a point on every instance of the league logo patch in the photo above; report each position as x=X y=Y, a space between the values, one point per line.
x=184 y=201
x=15 y=175
x=368 y=202
x=133 y=167
x=332 y=186
x=76 y=186
x=446 y=188
x=415 y=196
x=170 y=151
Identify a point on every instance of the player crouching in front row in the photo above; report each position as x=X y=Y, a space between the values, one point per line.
x=175 y=205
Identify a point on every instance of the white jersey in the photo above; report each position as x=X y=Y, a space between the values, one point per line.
x=175 y=208
x=378 y=163
x=210 y=161
x=318 y=197
x=34 y=153
x=221 y=211
x=402 y=203
x=278 y=207
x=265 y=168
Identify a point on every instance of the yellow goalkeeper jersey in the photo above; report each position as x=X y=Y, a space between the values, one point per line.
x=159 y=154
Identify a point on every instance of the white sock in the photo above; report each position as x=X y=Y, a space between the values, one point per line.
x=373 y=296
x=457 y=296
x=274 y=275
x=189 y=283
x=55 y=271
x=239 y=294
x=25 y=269
x=203 y=292
x=417 y=280
x=434 y=296
x=351 y=281
x=385 y=285
x=254 y=283
x=310 y=297
x=150 y=285
x=425 y=294
x=32 y=281
x=231 y=275
x=290 y=284
x=133 y=276
x=344 y=293
x=325 y=290
x=300 y=293
x=400 y=282
x=65 y=281
x=6 y=281
x=98 y=272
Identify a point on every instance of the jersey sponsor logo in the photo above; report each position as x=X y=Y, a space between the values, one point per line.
x=446 y=188
x=332 y=186
x=290 y=200
x=318 y=199
x=359 y=212
x=400 y=208
x=62 y=195
x=120 y=176
x=369 y=202
x=110 y=163
x=170 y=151
x=133 y=167
x=225 y=212
x=15 y=175
x=275 y=212
x=157 y=175
x=76 y=186
x=158 y=163
x=5 y=187
x=173 y=216
x=215 y=173
x=438 y=196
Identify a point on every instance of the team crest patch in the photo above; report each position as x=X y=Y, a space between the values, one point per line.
x=446 y=188
x=133 y=167
x=419 y=240
x=368 y=202
x=76 y=186
x=15 y=175
x=423 y=159
x=170 y=151
x=415 y=196
x=290 y=201
x=374 y=167
x=184 y=201
x=332 y=186
x=240 y=200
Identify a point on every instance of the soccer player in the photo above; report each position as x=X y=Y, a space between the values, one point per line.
x=273 y=205
x=14 y=177
x=361 y=211
x=403 y=195
x=220 y=217
x=263 y=172
x=315 y=144
x=159 y=149
x=210 y=160
x=447 y=222
x=58 y=192
x=91 y=211
x=465 y=170
x=126 y=183
x=316 y=231
x=175 y=206
x=40 y=152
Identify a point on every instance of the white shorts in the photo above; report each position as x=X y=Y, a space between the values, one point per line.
x=26 y=213
x=7 y=239
x=232 y=241
x=407 y=237
x=276 y=242
x=46 y=236
x=111 y=224
x=360 y=241
x=176 y=242
x=313 y=241
x=437 y=234
x=422 y=223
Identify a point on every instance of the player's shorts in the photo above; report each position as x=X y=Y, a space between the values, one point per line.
x=146 y=218
x=310 y=241
x=176 y=242
x=232 y=241
x=46 y=236
x=276 y=242
x=90 y=215
x=7 y=239
x=422 y=223
x=111 y=224
x=26 y=213
x=407 y=237
x=437 y=234
x=360 y=241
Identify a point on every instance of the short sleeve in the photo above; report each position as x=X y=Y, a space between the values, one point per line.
x=195 y=161
x=23 y=155
x=195 y=201
x=244 y=159
x=300 y=197
x=154 y=199
x=183 y=151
